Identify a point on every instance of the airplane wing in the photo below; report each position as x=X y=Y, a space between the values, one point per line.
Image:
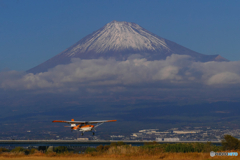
x=83 y=122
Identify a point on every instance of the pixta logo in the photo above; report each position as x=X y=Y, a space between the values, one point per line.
x=212 y=154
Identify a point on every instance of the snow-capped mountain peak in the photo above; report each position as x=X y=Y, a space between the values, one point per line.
x=119 y=36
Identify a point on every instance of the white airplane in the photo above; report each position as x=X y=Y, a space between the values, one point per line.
x=84 y=126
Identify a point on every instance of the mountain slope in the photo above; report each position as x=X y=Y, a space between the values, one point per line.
x=119 y=40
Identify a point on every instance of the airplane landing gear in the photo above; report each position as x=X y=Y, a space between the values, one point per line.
x=93 y=133
x=82 y=134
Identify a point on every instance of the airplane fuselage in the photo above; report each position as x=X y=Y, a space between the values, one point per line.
x=83 y=128
x=86 y=128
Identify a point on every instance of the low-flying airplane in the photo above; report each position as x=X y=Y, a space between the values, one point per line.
x=84 y=126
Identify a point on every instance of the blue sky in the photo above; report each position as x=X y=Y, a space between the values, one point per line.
x=32 y=31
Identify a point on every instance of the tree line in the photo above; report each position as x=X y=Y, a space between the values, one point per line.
x=228 y=143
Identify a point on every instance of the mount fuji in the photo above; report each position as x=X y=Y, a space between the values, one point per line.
x=119 y=40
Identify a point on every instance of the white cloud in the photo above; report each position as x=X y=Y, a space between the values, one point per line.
x=167 y=73
x=119 y=75
x=224 y=78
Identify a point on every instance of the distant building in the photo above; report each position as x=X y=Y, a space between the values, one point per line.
x=185 y=132
x=82 y=139
x=117 y=136
x=148 y=130
x=136 y=134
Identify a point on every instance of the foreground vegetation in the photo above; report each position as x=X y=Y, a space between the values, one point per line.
x=120 y=150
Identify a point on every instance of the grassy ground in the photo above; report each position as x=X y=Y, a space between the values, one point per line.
x=120 y=151
x=164 y=156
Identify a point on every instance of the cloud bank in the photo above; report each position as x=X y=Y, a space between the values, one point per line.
x=175 y=71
